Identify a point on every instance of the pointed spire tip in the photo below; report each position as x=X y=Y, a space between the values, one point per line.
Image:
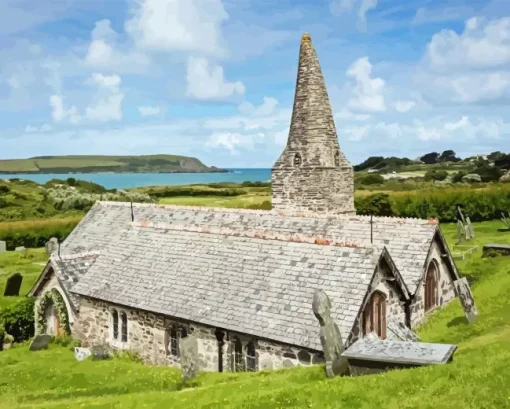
x=306 y=38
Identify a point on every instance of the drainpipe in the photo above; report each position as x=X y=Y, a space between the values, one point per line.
x=219 y=336
x=407 y=310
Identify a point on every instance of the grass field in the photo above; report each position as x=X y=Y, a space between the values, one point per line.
x=15 y=262
x=479 y=377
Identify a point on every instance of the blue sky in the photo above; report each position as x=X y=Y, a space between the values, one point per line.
x=215 y=79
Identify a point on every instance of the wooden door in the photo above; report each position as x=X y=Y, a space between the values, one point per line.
x=57 y=323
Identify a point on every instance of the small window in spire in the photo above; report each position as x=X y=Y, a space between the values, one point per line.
x=337 y=158
x=297 y=159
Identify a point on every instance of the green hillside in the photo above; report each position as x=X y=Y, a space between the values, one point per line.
x=117 y=164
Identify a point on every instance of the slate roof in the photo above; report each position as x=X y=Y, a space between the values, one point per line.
x=249 y=285
x=70 y=268
x=407 y=240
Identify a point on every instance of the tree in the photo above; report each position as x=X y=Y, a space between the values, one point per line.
x=430 y=158
x=503 y=161
x=371 y=179
x=369 y=163
x=448 y=156
x=488 y=173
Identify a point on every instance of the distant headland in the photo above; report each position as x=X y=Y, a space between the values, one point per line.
x=106 y=164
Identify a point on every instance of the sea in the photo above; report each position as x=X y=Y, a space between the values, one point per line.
x=131 y=180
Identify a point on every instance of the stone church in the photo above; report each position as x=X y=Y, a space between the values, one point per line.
x=142 y=276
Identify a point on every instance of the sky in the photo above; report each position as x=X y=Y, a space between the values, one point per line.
x=214 y=79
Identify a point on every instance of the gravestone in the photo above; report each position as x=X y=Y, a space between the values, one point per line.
x=100 y=352
x=466 y=299
x=40 y=342
x=470 y=227
x=368 y=356
x=51 y=245
x=401 y=331
x=3 y=246
x=189 y=357
x=82 y=353
x=461 y=232
x=22 y=250
x=331 y=339
x=13 y=285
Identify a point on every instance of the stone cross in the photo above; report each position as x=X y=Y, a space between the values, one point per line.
x=13 y=285
x=331 y=339
x=3 y=247
x=466 y=299
x=189 y=357
x=51 y=245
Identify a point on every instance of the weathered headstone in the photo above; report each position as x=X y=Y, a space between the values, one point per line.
x=331 y=339
x=82 y=353
x=51 y=245
x=466 y=299
x=13 y=285
x=461 y=232
x=3 y=246
x=470 y=227
x=100 y=352
x=22 y=250
x=401 y=331
x=189 y=357
x=40 y=342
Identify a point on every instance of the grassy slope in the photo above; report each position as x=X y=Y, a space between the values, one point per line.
x=30 y=267
x=145 y=163
x=478 y=378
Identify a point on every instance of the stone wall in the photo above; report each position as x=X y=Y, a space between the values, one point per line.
x=148 y=336
x=446 y=289
x=394 y=306
x=313 y=189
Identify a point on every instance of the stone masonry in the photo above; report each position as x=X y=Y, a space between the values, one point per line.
x=312 y=174
x=148 y=337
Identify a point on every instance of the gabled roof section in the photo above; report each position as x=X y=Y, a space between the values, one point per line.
x=250 y=285
x=408 y=240
x=68 y=269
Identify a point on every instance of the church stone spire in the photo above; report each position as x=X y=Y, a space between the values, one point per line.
x=312 y=174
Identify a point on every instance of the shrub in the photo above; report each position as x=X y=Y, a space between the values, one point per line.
x=31 y=234
x=4 y=189
x=377 y=204
x=265 y=205
x=471 y=177
x=457 y=178
x=371 y=179
x=18 y=319
x=489 y=173
x=436 y=175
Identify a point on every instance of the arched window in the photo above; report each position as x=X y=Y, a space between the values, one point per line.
x=251 y=358
x=238 y=356
x=297 y=159
x=431 y=279
x=124 y=331
x=374 y=316
x=337 y=158
x=115 y=324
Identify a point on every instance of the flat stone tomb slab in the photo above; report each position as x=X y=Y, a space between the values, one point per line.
x=400 y=352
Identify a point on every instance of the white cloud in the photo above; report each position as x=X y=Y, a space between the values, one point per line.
x=338 y=7
x=369 y=92
x=168 y=25
x=149 y=111
x=266 y=108
x=60 y=114
x=43 y=128
x=108 y=104
x=207 y=82
x=468 y=68
x=103 y=51
x=404 y=106
x=345 y=114
x=482 y=44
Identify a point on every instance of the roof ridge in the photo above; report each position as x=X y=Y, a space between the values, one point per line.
x=311 y=215
x=317 y=239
